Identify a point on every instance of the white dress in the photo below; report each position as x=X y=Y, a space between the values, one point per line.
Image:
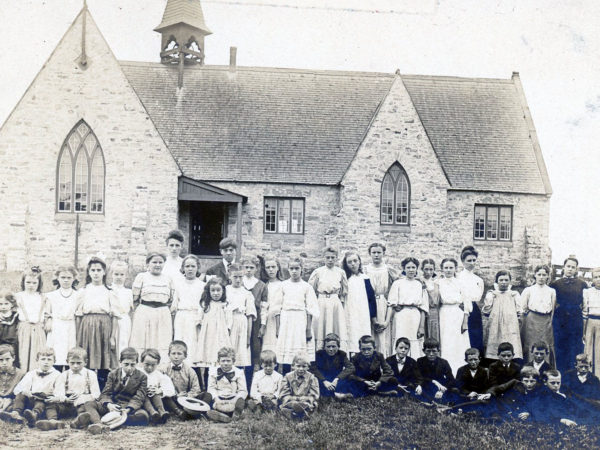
x=330 y=285
x=62 y=336
x=454 y=343
x=413 y=297
x=123 y=307
x=380 y=280
x=358 y=318
x=213 y=334
x=185 y=325
x=240 y=306
x=298 y=301
x=267 y=314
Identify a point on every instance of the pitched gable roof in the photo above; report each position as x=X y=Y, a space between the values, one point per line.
x=481 y=133
x=251 y=124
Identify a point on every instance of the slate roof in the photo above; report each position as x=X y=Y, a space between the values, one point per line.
x=276 y=125
x=301 y=126
x=183 y=11
x=480 y=132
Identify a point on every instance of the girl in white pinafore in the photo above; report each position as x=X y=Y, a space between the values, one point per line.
x=60 y=312
x=241 y=312
x=294 y=316
x=331 y=286
x=382 y=276
x=123 y=305
x=453 y=319
x=268 y=327
x=410 y=303
x=361 y=304
x=189 y=290
x=31 y=336
x=212 y=319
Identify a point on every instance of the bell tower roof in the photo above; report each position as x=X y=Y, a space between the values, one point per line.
x=188 y=12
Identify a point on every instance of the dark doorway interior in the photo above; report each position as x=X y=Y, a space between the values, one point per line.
x=207 y=227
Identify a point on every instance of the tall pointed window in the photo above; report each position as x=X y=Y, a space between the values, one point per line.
x=80 y=177
x=395 y=197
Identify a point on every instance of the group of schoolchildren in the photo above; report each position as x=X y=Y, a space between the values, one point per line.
x=347 y=331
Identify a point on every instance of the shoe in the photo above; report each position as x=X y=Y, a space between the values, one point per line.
x=81 y=421
x=155 y=418
x=340 y=396
x=217 y=416
x=140 y=418
x=12 y=416
x=52 y=424
x=389 y=393
x=30 y=416
x=298 y=411
x=164 y=417
x=97 y=428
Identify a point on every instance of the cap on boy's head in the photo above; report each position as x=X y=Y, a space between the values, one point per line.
x=540 y=345
x=46 y=351
x=366 y=339
x=471 y=351
x=300 y=356
x=431 y=343
x=506 y=346
x=582 y=357
x=529 y=372
x=175 y=234
x=7 y=348
x=226 y=243
x=268 y=356
x=152 y=353
x=226 y=352
x=129 y=353
x=331 y=337
x=77 y=352
x=180 y=345
x=402 y=340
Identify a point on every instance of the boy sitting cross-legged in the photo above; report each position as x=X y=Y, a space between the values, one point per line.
x=75 y=390
x=9 y=376
x=405 y=369
x=504 y=373
x=372 y=374
x=581 y=383
x=125 y=391
x=331 y=367
x=184 y=379
x=35 y=392
x=265 y=384
x=226 y=388
x=439 y=383
x=299 y=391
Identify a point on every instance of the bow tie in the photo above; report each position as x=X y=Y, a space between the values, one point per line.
x=569 y=280
x=401 y=361
x=228 y=375
x=300 y=377
x=176 y=367
x=43 y=374
x=10 y=371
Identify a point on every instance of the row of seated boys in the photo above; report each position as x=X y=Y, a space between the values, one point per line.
x=150 y=395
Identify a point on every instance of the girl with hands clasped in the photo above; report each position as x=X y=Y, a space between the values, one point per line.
x=241 y=313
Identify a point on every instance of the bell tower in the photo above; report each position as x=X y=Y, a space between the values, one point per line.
x=183 y=31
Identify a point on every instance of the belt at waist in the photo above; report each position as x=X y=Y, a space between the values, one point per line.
x=594 y=316
x=539 y=313
x=327 y=295
x=154 y=304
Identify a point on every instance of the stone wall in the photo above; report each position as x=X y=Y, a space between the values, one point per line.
x=141 y=175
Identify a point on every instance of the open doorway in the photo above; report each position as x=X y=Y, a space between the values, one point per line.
x=207 y=227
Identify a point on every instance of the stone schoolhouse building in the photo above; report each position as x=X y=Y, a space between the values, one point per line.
x=102 y=155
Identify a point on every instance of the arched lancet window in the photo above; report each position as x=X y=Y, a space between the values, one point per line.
x=80 y=178
x=395 y=197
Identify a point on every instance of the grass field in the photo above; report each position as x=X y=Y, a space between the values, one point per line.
x=365 y=423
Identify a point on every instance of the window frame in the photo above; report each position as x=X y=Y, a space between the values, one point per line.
x=499 y=208
x=97 y=152
x=290 y=216
x=395 y=183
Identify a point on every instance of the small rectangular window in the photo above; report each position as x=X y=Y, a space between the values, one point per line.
x=492 y=223
x=283 y=215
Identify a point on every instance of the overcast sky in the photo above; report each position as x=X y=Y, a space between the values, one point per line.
x=554 y=45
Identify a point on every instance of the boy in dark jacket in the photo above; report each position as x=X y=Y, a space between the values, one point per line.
x=331 y=367
x=372 y=374
x=504 y=373
x=439 y=383
x=405 y=369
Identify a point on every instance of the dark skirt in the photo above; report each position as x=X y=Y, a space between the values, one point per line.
x=476 y=329
x=93 y=335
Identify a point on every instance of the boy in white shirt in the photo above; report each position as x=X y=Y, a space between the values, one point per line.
x=265 y=384
x=159 y=386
